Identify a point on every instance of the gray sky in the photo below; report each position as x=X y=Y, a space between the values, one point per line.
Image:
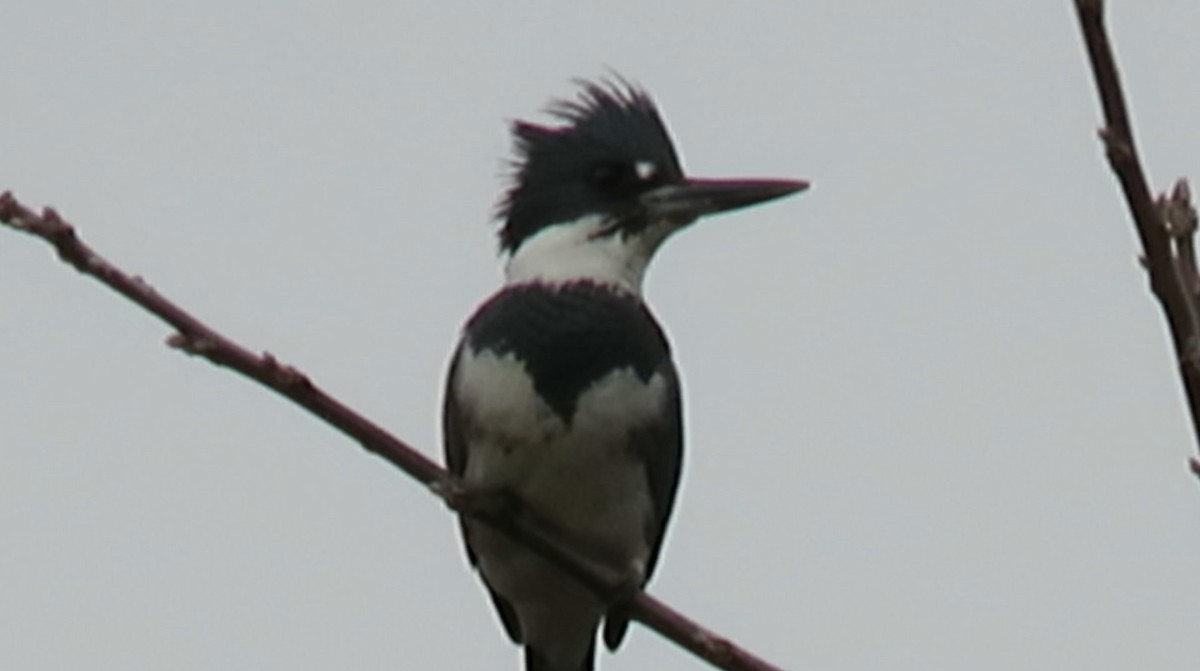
x=932 y=414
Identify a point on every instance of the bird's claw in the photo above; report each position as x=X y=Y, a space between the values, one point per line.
x=470 y=499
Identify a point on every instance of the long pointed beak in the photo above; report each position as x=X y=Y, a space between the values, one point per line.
x=694 y=198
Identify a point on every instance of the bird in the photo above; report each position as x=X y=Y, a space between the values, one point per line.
x=562 y=391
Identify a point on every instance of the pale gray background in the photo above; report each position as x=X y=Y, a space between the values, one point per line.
x=933 y=419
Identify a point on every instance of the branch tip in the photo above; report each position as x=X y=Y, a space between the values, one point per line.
x=1165 y=225
x=1177 y=212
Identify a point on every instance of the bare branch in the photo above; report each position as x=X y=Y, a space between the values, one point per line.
x=194 y=337
x=1166 y=226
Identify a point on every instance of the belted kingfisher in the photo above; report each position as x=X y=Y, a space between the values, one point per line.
x=562 y=391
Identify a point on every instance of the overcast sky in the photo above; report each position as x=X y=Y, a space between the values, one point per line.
x=933 y=419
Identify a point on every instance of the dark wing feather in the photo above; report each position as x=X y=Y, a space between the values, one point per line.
x=454 y=445
x=660 y=446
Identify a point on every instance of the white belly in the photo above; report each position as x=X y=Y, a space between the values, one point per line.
x=582 y=477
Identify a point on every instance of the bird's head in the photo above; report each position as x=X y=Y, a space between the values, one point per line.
x=596 y=195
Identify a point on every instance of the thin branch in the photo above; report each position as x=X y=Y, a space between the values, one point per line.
x=1166 y=227
x=194 y=337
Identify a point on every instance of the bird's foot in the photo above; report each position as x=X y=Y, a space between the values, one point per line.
x=629 y=583
x=476 y=500
x=624 y=591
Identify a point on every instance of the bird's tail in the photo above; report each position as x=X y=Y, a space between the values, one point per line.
x=536 y=661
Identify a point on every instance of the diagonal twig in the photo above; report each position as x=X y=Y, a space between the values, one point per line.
x=1166 y=226
x=194 y=337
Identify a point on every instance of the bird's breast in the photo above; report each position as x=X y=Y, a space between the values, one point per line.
x=581 y=474
x=551 y=387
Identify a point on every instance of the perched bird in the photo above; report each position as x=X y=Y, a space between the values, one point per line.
x=562 y=391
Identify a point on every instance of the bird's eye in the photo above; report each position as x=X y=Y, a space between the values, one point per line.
x=632 y=176
x=646 y=171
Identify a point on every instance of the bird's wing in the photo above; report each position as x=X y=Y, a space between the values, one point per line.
x=660 y=446
x=454 y=445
